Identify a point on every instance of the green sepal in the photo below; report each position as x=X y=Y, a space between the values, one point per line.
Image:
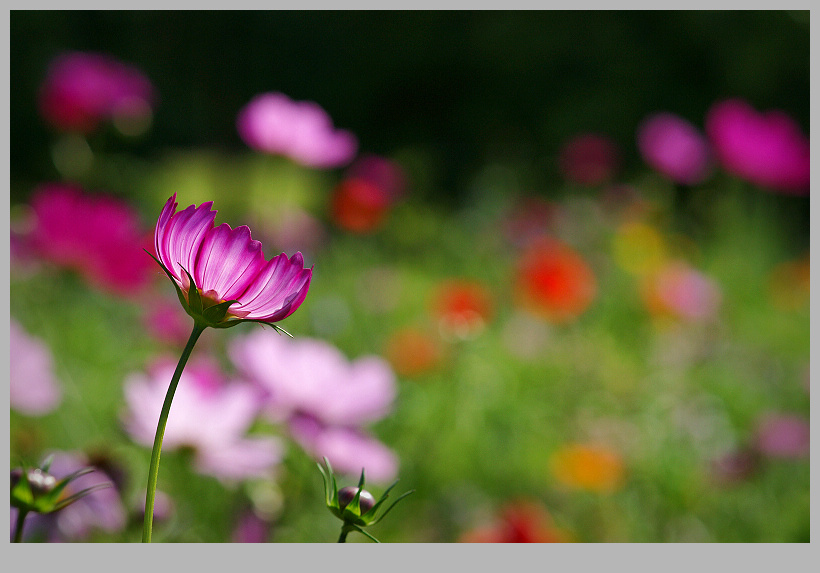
x=194 y=299
x=398 y=499
x=71 y=499
x=182 y=300
x=215 y=314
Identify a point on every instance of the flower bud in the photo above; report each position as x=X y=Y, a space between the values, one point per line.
x=366 y=499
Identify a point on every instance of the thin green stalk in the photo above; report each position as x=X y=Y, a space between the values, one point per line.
x=343 y=534
x=18 y=533
x=153 y=470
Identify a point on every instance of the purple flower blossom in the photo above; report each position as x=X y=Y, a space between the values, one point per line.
x=783 y=436
x=226 y=264
x=301 y=130
x=82 y=89
x=99 y=236
x=210 y=416
x=675 y=148
x=33 y=390
x=100 y=510
x=324 y=397
x=767 y=149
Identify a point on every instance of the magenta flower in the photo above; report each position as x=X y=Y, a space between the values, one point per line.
x=33 y=390
x=83 y=89
x=211 y=416
x=324 y=398
x=767 y=149
x=674 y=147
x=301 y=130
x=99 y=236
x=232 y=281
x=101 y=510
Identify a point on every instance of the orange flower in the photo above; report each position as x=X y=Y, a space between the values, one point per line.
x=412 y=352
x=520 y=522
x=554 y=282
x=462 y=307
x=588 y=467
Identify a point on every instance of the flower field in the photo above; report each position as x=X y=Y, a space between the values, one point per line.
x=620 y=354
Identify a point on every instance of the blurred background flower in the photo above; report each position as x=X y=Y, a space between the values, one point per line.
x=33 y=387
x=767 y=149
x=554 y=282
x=325 y=398
x=642 y=317
x=211 y=416
x=99 y=236
x=83 y=89
x=518 y=522
x=300 y=130
x=673 y=146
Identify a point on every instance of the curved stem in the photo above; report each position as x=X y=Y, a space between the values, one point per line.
x=343 y=534
x=18 y=533
x=153 y=470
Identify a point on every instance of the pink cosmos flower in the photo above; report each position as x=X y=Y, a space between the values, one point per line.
x=33 y=390
x=229 y=408
x=589 y=159
x=767 y=149
x=82 y=89
x=226 y=264
x=97 y=235
x=101 y=510
x=348 y=449
x=324 y=397
x=675 y=148
x=301 y=130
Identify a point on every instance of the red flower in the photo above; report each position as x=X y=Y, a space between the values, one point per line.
x=553 y=281
x=520 y=522
x=462 y=307
x=359 y=206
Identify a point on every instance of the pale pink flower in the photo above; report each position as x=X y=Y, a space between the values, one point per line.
x=83 y=88
x=767 y=149
x=324 y=397
x=34 y=389
x=210 y=415
x=349 y=449
x=301 y=130
x=674 y=147
x=679 y=291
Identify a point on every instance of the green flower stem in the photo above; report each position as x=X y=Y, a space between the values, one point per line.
x=343 y=535
x=18 y=533
x=153 y=470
